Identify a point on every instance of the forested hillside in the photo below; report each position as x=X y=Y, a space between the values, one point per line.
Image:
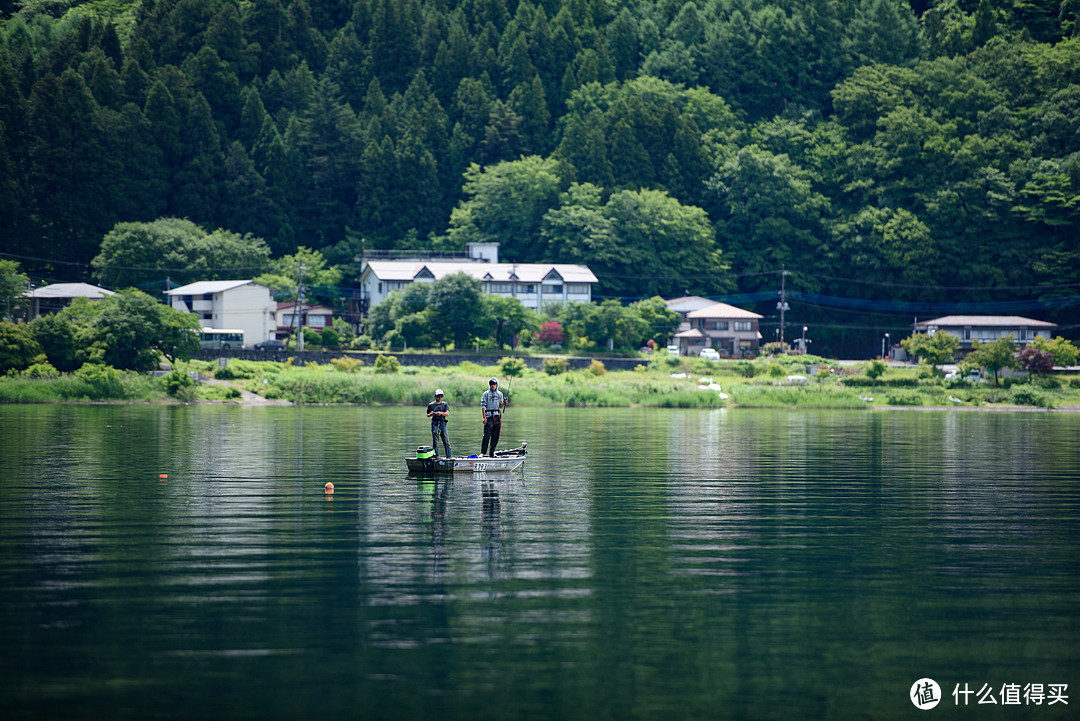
x=880 y=150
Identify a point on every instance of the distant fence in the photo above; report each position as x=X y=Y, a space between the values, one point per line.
x=412 y=359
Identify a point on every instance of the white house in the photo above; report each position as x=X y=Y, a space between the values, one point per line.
x=988 y=328
x=240 y=304
x=534 y=284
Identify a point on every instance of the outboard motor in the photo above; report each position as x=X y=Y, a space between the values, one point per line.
x=427 y=455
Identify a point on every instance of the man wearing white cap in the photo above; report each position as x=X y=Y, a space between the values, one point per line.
x=438 y=411
x=491 y=403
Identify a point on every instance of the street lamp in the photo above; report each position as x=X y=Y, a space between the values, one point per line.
x=884 y=341
x=804 y=340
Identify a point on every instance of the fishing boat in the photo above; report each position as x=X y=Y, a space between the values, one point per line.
x=502 y=462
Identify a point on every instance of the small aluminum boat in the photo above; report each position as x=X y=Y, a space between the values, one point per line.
x=503 y=461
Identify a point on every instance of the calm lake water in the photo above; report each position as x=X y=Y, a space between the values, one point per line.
x=646 y=564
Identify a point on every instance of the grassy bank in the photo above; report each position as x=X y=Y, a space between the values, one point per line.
x=663 y=382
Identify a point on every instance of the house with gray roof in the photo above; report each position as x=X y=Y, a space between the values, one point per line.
x=55 y=296
x=988 y=328
x=534 y=284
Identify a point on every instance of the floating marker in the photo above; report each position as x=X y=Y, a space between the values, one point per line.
x=163 y=475
x=329 y=487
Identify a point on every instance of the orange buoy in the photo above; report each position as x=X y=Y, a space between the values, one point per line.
x=163 y=475
x=329 y=487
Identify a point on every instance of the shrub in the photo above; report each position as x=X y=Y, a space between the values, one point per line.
x=42 y=370
x=1028 y=395
x=104 y=380
x=876 y=369
x=776 y=370
x=387 y=364
x=362 y=342
x=744 y=368
x=18 y=348
x=555 y=366
x=511 y=367
x=180 y=385
x=1074 y=383
x=597 y=368
x=347 y=365
x=331 y=338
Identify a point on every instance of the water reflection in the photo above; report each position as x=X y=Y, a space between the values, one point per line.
x=645 y=563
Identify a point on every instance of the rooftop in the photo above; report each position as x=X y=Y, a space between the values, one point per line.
x=722 y=310
x=69 y=290
x=985 y=321
x=521 y=272
x=203 y=287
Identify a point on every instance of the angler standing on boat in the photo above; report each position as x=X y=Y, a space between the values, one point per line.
x=439 y=411
x=491 y=403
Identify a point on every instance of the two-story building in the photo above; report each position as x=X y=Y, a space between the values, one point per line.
x=988 y=328
x=290 y=315
x=234 y=304
x=534 y=284
x=707 y=324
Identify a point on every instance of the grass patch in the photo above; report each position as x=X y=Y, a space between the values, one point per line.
x=764 y=396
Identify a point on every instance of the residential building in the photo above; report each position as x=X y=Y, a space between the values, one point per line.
x=290 y=315
x=534 y=284
x=52 y=298
x=234 y=304
x=987 y=328
x=707 y=324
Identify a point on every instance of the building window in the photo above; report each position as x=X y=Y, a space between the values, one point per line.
x=207 y=316
x=553 y=289
x=317 y=321
x=577 y=288
x=744 y=325
x=208 y=296
x=500 y=287
x=719 y=325
x=528 y=288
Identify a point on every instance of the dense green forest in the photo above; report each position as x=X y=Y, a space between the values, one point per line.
x=889 y=155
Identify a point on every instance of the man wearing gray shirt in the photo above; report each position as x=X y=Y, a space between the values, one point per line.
x=491 y=403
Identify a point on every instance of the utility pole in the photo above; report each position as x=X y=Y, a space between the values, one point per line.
x=298 y=309
x=782 y=305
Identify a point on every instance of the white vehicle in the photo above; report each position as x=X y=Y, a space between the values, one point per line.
x=673 y=349
x=973 y=376
x=221 y=338
x=710 y=354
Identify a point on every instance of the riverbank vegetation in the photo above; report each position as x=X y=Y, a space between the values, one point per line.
x=663 y=381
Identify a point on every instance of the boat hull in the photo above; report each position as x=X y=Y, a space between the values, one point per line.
x=498 y=464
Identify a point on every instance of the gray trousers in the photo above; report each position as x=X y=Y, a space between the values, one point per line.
x=438 y=430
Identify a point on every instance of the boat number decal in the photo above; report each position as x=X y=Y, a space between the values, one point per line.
x=479 y=466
